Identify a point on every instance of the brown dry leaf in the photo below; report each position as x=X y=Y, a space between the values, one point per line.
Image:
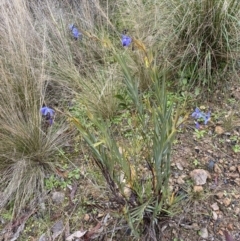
x=61 y=173
x=97 y=229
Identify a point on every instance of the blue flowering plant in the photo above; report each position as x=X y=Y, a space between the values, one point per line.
x=200 y=116
x=48 y=113
x=75 y=32
x=126 y=40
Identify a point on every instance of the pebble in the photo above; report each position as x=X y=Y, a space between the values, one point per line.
x=220 y=195
x=197 y=189
x=237 y=211
x=58 y=197
x=180 y=180
x=215 y=207
x=179 y=166
x=227 y=201
x=43 y=237
x=232 y=169
x=237 y=181
x=233 y=175
x=219 y=130
x=203 y=233
x=215 y=216
x=199 y=176
x=217 y=169
x=57 y=229
x=210 y=165
x=86 y=217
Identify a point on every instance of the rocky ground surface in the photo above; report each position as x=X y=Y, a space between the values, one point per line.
x=205 y=168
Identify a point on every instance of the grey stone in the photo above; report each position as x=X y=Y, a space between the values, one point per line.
x=57 y=229
x=58 y=197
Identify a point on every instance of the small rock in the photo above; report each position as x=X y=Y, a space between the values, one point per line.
x=230 y=226
x=210 y=165
x=237 y=196
x=203 y=233
x=215 y=207
x=220 y=195
x=233 y=175
x=238 y=167
x=220 y=232
x=197 y=189
x=226 y=201
x=215 y=216
x=76 y=235
x=232 y=169
x=180 y=180
x=57 y=229
x=58 y=197
x=197 y=149
x=237 y=211
x=100 y=215
x=179 y=166
x=42 y=206
x=199 y=176
x=217 y=169
x=219 y=130
x=43 y=237
x=86 y=217
x=237 y=181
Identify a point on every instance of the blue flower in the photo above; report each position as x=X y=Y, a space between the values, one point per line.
x=197 y=125
x=76 y=34
x=126 y=40
x=48 y=113
x=198 y=114
x=207 y=117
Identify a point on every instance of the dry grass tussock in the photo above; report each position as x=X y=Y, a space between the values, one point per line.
x=25 y=150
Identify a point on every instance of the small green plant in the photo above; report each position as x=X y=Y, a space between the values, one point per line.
x=236 y=148
x=195 y=162
x=55 y=182
x=199 y=133
x=74 y=174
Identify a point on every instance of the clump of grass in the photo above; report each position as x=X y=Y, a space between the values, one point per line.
x=83 y=66
x=26 y=151
x=205 y=39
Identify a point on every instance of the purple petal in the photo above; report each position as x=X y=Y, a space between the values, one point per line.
x=45 y=110
x=76 y=34
x=71 y=26
x=126 y=40
x=50 y=121
x=197 y=125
